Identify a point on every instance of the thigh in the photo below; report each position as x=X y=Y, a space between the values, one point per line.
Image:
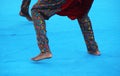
x=48 y=8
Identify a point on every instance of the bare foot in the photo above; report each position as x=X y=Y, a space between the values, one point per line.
x=97 y=53
x=42 y=56
x=28 y=17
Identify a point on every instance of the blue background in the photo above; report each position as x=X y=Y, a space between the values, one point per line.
x=70 y=58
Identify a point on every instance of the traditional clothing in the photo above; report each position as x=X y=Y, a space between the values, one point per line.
x=71 y=8
x=74 y=9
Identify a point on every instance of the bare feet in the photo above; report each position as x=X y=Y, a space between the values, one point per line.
x=42 y=56
x=97 y=53
x=26 y=15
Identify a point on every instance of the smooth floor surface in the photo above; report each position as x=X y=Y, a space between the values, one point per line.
x=70 y=58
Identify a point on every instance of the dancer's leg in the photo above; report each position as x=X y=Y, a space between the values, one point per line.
x=86 y=27
x=25 y=9
x=40 y=27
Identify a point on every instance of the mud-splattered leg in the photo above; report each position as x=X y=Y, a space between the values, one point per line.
x=40 y=28
x=86 y=27
x=25 y=9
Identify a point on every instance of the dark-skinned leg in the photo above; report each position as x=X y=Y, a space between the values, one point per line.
x=87 y=31
x=25 y=9
x=40 y=28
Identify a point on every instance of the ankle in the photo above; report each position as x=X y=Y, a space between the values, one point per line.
x=97 y=53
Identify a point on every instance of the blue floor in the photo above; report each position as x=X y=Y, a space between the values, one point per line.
x=70 y=58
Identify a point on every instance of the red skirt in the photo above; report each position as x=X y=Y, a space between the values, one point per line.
x=75 y=8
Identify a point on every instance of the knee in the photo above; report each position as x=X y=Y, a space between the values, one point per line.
x=84 y=19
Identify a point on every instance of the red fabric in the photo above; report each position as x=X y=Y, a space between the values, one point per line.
x=75 y=8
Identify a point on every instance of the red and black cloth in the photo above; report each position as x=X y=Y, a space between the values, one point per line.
x=71 y=8
x=75 y=8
